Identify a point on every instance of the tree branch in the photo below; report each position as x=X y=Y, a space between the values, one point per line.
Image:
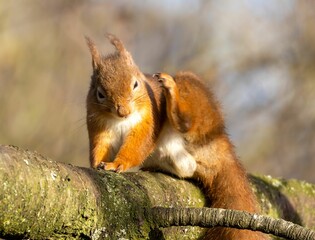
x=212 y=217
x=43 y=199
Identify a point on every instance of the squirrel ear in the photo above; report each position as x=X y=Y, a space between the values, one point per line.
x=120 y=47
x=96 y=57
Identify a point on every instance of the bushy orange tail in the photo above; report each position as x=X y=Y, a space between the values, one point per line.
x=230 y=189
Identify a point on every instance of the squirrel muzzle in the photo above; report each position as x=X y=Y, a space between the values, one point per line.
x=122 y=111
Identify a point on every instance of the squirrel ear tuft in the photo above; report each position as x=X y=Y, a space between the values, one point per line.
x=120 y=47
x=96 y=57
x=116 y=42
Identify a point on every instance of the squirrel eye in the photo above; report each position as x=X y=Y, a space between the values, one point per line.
x=135 y=85
x=100 y=95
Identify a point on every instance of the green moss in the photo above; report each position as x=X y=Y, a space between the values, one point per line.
x=47 y=200
x=167 y=191
x=126 y=207
x=291 y=200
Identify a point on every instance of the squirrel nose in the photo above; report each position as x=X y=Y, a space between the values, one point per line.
x=122 y=111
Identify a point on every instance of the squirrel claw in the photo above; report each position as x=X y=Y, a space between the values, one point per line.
x=166 y=81
x=156 y=75
x=160 y=80
x=100 y=166
x=113 y=166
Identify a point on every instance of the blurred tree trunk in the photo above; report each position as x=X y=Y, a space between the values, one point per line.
x=43 y=199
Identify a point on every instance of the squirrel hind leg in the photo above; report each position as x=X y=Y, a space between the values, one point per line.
x=176 y=107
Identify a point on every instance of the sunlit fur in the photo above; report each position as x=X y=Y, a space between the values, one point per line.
x=169 y=124
x=195 y=115
x=170 y=154
x=123 y=129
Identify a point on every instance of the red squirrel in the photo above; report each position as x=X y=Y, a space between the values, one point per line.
x=172 y=124
x=124 y=110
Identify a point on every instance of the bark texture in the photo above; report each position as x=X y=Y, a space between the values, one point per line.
x=43 y=199
x=211 y=217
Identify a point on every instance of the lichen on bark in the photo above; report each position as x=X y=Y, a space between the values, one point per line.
x=43 y=199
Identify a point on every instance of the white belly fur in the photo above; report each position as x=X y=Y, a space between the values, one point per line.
x=170 y=154
x=119 y=129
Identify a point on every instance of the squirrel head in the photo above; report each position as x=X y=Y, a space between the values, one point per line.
x=116 y=81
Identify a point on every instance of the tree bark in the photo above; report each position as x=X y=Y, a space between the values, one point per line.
x=43 y=199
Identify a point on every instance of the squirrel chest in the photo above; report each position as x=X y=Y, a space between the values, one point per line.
x=169 y=155
x=117 y=129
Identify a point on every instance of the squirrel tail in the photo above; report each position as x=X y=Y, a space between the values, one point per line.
x=230 y=189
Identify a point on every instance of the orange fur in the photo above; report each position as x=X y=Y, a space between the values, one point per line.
x=121 y=104
x=170 y=124
x=193 y=111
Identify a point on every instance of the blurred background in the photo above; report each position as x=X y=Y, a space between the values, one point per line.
x=258 y=56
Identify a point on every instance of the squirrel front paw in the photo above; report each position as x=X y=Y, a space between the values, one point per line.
x=115 y=166
x=166 y=81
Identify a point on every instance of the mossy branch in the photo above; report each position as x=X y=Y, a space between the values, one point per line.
x=212 y=217
x=43 y=199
